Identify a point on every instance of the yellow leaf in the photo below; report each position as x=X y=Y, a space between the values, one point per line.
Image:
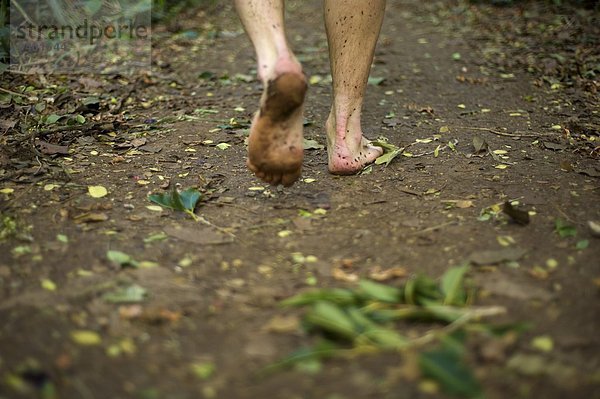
x=97 y=191
x=543 y=343
x=48 y=284
x=505 y=241
x=551 y=263
x=309 y=180
x=501 y=166
x=284 y=233
x=315 y=79
x=86 y=337
x=444 y=129
x=155 y=208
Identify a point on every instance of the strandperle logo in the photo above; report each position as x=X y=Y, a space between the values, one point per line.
x=91 y=32
x=80 y=36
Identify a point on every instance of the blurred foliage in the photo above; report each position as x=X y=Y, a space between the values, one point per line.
x=165 y=10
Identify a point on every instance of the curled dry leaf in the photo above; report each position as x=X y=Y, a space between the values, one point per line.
x=282 y=324
x=341 y=275
x=378 y=274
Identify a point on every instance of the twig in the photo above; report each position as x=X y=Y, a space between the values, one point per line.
x=231 y=205
x=83 y=128
x=475 y=313
x=14 y=93
x=485 y=129
x=433 y=228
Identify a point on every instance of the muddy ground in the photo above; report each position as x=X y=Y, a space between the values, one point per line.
x=521 y=79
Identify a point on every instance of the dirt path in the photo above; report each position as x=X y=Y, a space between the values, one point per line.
x=213 y=298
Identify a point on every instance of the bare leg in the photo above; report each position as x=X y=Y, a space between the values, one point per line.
x=352 y=30
x=275 y=150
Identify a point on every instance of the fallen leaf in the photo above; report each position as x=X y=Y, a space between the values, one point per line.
x=310 y=144
x=51 y=149
x=48 y=284
x=203 y=370
x=130 y=294
x=543 y=343
x=378 y=274
x=97 y=191
x=120 y=259
x=86 y=337
x=564 y=230
x=339 y=274
x=283 y=324
x=223 y=146
x=594 y=228
x=91 y=217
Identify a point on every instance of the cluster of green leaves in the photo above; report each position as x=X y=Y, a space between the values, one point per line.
x=565 y=230
x=184 y=201
x=366 y=318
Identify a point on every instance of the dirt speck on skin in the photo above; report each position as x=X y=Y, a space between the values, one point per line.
x=208 y=292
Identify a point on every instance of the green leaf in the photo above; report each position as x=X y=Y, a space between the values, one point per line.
x=203 y=370
x=332 y=319
x=185 y=201
x=582 y=244
x=387 y=157
x=375 y=81
x=80 y=118
x=452 y=287
x=156 y=237
x=379 y=292
x=387 y=339
x=189 y=198
x=90 y=101
x=445 y=313
x=309 y=144
x=564 y=230
x=130 y=294
x=321 y=350
x=422 y=290
x=446 y=367
x=120 y=258
x=338 y=296
x=52 y=118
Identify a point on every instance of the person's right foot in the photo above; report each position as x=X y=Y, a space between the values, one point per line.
x=347 y=149
x=275 y=148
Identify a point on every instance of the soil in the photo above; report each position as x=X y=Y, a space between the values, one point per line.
x=520 y=78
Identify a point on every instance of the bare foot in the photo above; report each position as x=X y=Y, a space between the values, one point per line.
x=275 y=149
x=349 y=152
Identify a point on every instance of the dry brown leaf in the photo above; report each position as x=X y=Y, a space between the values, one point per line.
x=282 y=324
x=341 y=275
x=379 y=274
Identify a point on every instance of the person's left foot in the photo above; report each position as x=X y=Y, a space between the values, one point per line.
x=349 y=152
